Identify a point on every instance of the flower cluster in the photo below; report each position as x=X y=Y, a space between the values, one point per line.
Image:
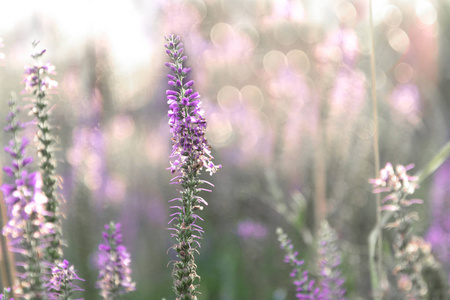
x=411 y=252
x=305 y=287
x=36 y=78
x=114 y=262
x=27 y=227
x=187 y=124
x=26 y=206
x=37 y=83
x=397 y=180
x=191 y=153
x=330 y=259
x=61 y=284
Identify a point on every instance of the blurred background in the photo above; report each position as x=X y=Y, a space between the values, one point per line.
x=286 y=89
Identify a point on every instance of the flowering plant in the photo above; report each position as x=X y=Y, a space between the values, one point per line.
x=114 y=261
x=191 y=153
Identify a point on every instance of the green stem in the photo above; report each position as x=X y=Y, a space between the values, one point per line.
x=375 y=269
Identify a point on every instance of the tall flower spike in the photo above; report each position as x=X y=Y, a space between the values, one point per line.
x=114 y=261
x=330 y=259
x=61 y=286
x=412 y=253
x=27 y=228
x=190 y=155
x=305 y=287
x=38 y=83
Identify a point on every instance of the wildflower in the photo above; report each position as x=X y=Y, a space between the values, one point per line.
x=330 y=260
x=114 y=261
x=61 y=284
x=37 y=79
x=397 y=180
x=411 y=252
x=190 y=155
x=305 y=287
x=38 y=82
x=27 y=227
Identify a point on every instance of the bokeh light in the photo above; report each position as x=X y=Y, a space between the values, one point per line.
x=426 y=12
x=393 y=16
x=274 y=61
x=398 y=40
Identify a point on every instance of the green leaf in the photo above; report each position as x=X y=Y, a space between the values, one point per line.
x=435 y=163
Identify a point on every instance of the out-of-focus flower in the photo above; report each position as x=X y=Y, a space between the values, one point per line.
x=37 y=83
x=330 y=259
x=405 y=99
x=439 y=232
x=251 y=230
x=190 y=155
x=6 y=295
x=340 y=46
x=27 y=227
x=114 y=261
x=26 y=204
x=36 y=78
x=305 y=287
x=61 y=284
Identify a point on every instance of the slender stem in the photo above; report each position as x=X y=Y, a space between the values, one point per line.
x=376 y=150
x=320 y=172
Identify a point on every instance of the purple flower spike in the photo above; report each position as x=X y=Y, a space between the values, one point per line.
x=330 y=260
x=190 y=155
x=61 y=284
x=305 y=287
x=114 y=261
x=27 y=227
